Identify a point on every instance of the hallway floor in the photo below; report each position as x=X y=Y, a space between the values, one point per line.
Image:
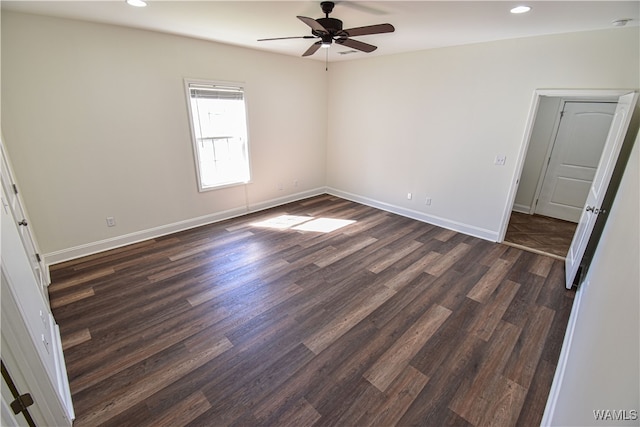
x=540 y=233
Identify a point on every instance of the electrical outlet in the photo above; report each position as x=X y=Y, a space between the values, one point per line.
x=409 y=196
x=295 y=183
x=111 y=221
x=427 y=201
x=500 y=160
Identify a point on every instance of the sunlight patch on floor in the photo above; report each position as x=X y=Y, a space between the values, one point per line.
x=304 y=223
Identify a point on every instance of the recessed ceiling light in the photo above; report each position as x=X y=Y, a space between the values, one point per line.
x=520 y=9
x=137 y=3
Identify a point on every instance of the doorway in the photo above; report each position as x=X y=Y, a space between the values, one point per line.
x=543 y=124
x=565 y=146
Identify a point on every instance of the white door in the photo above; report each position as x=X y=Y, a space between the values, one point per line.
x=574 y=159
x=11 y=200
x=615 y=138
x=31 y=342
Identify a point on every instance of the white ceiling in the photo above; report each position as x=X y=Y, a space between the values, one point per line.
x=419 y=24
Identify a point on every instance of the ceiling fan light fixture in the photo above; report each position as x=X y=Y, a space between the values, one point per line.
x=520 y=9
x=136 y=3
x=325 y=45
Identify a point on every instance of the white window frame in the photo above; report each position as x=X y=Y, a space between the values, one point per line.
x=195 y=132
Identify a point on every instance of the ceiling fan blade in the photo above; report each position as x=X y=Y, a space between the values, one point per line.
x=285 y=38
x=370 y=29
x=313 y=24
x=355 y=44
x=314 y=47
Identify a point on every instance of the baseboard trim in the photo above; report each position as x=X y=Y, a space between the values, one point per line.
x=522 y=208
x=563 y=361
x=419 y=216
x=80 y=251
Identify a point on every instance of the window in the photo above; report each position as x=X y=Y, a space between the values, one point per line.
x=219 y=132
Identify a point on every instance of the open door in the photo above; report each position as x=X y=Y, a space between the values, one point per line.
x=577 y=149
x=612 y=146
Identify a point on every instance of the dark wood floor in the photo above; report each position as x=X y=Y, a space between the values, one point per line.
x=384 y=321
x=541 y=233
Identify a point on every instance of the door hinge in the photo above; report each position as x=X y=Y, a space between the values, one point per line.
x=21 y=403
x=38 y=258
x=561 y=114
x=15 y=188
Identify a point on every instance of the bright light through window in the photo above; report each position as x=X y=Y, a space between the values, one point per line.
x=304 y=223
x=323 y=225
x=219 y=131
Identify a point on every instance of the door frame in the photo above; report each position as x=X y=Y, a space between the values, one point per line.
x=564 y=94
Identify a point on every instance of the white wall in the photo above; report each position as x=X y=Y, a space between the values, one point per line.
x=95 y=122
x=432 y=122
x=603 y=370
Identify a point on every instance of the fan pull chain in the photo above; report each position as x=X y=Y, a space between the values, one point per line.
x=326 y=60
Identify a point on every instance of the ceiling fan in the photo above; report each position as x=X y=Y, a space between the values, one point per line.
x=329 y=30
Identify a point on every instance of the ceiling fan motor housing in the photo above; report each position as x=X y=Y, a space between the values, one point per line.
x=332 y=25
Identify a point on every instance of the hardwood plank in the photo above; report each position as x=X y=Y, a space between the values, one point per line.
x=340 y=325
x=149 y=385
x=393 y=257
x=447 y=260
x=235 y=393
x=312 y=374
x=406 y=275
x=76 y=338
x=432 y=403
x=346 y=251
x=490 y=281
x=492 y=312
x=505 y=405
x=72 y=298
x=134 y=349
x=395 y=360
x=438 y=355
x=210 y=245
x=80 y=279
x=537 y=394
x=521 y=369
x=300 y=414
x=400 y=396
x=542 y=266
x=182 y=413
x=472 y=397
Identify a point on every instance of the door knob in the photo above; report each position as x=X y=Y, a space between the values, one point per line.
x=23 y=222
x=595 y=210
